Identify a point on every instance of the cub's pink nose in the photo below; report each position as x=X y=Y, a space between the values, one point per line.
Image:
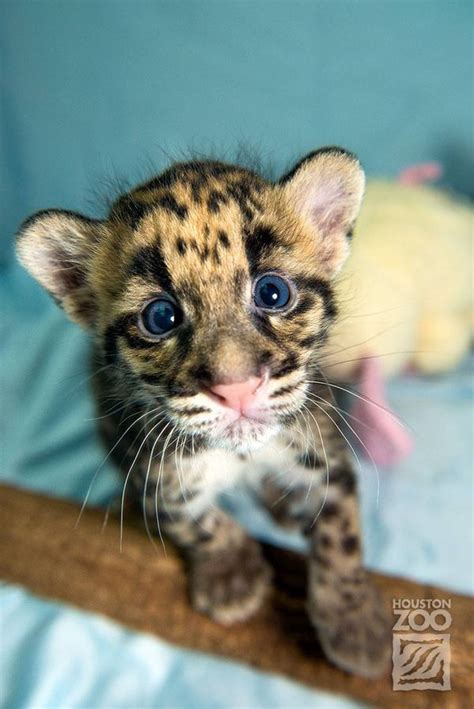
x=236 y=395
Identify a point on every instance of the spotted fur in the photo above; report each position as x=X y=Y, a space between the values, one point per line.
x=203 y=232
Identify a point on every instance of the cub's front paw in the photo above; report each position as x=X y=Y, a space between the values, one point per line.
x=230 y=586
x=355 y=632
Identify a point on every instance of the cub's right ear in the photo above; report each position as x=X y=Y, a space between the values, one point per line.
x=57 y=248
x=325 y=189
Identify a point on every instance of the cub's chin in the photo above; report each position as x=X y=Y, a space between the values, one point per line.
x=243 y=435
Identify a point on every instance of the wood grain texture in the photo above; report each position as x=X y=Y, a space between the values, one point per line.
x=41 y=549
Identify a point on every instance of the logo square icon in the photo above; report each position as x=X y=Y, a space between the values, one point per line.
x=421 y=661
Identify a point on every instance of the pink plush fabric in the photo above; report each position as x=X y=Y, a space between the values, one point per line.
x=385 y=438
x=418 y=174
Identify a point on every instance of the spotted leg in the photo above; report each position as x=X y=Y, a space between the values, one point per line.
x=344 y=607
x=228 y=576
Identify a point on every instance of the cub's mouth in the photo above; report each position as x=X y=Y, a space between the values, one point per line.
x=224 y=428
x=244 y=433
x=241 y=429
x=240 y=414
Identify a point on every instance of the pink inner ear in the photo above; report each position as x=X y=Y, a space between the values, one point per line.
x=327 y=204
x=329 y=220
x=69 y=274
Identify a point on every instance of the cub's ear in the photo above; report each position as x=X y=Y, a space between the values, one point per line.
x=57 y=248
x=326 y=189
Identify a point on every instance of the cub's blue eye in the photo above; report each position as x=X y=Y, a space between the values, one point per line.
x=160 y=316
x=272 y=292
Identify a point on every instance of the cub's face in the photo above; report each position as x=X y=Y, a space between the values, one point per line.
x=208 y=288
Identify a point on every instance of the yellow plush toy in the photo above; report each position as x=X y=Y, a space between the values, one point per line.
x=405 y=300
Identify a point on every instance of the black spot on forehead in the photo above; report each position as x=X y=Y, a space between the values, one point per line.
x=223 y=239
x=243 y=193
x=203 y=252
x=259 y=242
x=181 y=246
x=245 y=187
x=196 y=188
x=168 y=201
x=215 y=253
x=215 y=200
x=149 y=263
x=130 y=210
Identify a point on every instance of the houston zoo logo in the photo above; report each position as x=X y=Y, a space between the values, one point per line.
x=421 y=650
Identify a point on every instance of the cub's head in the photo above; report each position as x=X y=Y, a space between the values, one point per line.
x=208 y=289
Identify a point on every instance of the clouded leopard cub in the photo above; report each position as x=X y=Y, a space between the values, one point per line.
x=208 y=293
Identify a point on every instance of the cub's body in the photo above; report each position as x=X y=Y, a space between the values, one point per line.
x=208 y=291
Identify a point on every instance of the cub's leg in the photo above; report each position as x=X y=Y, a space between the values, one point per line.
x=227 y=573
x=345 y=608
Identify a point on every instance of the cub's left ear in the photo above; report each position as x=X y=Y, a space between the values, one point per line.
x=326 y=190
x=57 y=248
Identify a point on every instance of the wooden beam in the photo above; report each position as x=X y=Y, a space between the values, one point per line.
x=41 y=549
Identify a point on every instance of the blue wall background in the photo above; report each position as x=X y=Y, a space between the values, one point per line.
x=98 y=90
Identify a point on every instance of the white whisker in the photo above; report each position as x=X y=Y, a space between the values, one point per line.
x=145 y=515
x=369 y=454
x=89 y=490
x=359 y=465
x=159 y=481
x=363 y=398
x=122 y=506
x=326 y=488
